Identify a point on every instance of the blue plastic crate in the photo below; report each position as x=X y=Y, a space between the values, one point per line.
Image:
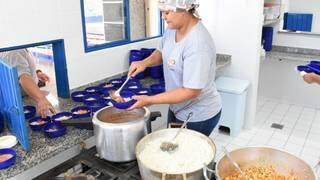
x=12 y=103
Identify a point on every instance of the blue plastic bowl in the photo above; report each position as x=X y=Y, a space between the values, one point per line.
x=74 y=110
x=315 y=68
x=56 y=117
x=315 y=62
x=60 y=130
x=156 y=72
x=142 y=91
x=157 y=88
x=9 y=162
x=38 y=127
x=1 y=123
x=107 y=85
x=133 y=87
x=133 y=82
x=304 y=68
x=91 y=99
x=99 y=105
x=77 y=96
x=125 y=105
x=29 y=111
x=116 y=82
x=93 y=89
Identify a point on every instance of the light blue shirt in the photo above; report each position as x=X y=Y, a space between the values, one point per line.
x=191 y=63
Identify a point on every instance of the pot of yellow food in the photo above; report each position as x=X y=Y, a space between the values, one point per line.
x=264 y=163
x=188 y=161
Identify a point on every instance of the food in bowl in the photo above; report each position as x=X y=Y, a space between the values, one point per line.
x=108 y=85
x=38 y=122
x=79 y=95
x=5 y=157
x=261 y=173
x=91 y=99
x=191 y=155
x=52 y=130
x=118 y=99
x=81 y=111
x=63 y=118
x=26 y=111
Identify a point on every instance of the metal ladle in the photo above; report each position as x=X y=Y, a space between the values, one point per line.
x=171 y=146
x=234 y=162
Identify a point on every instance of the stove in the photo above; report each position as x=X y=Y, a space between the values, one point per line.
x=89 y=166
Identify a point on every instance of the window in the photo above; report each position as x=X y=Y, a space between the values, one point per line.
x=108 y=23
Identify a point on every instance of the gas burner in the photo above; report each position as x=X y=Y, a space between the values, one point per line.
x=88 y=166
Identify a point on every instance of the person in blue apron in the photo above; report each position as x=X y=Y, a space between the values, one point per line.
x=188 y=55
x=311 y=78
x=29 y=78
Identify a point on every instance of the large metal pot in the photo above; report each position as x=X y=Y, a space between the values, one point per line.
x=152 y=174
x=117 y=131
x=282 y=161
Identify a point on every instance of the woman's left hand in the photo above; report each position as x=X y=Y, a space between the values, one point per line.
x=141 y=102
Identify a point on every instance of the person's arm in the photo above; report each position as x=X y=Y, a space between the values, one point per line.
x=170 y=97
x=30 y=87
x=312 y=78
x=154 y=59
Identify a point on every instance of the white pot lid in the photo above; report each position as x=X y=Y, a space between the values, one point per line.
x=8 y=141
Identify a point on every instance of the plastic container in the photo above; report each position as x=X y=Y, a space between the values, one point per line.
x=91 y=99
x=93 y=89
x=136 y=55
x=315 y=62
x=142 y=91
x=107 y=85
x=9 y=162
x=156 y=72
x=38 y=127
x=133 y=87
x=97 y=105
x=267 y=38
x=86 y=112
x=157 y=88
x=315 y=68
x=8 y=141
x=77 y=96
x=29 y=111
x=126 y=95
x=116 y=82
x=62 y=116
x=57 y=130
x=233 y=95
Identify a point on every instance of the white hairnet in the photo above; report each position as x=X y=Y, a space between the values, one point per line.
x=173 y=5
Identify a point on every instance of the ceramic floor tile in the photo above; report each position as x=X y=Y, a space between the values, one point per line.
x=280 y=136
x=240 y=141
x=293 y=148
x=277 y=143
x=296 y=140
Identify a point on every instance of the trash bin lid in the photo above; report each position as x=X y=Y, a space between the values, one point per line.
x=232 y=85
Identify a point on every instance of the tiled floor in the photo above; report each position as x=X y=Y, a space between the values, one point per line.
x=300 y=134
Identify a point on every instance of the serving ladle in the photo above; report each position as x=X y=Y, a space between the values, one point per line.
x=172 y=145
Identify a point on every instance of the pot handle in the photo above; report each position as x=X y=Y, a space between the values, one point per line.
x=205 y=171
x=164 y=176
x=154 y=115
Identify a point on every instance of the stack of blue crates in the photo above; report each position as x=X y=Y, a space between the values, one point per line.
x=298 y=22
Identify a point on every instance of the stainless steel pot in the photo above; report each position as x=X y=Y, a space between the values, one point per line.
x=282 y=161
x=117 y=131
x=152 y=174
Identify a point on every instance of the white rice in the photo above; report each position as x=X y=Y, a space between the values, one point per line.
x=191 y=155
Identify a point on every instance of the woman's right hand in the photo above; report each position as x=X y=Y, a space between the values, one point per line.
x=136 y=67
x=44 y=107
